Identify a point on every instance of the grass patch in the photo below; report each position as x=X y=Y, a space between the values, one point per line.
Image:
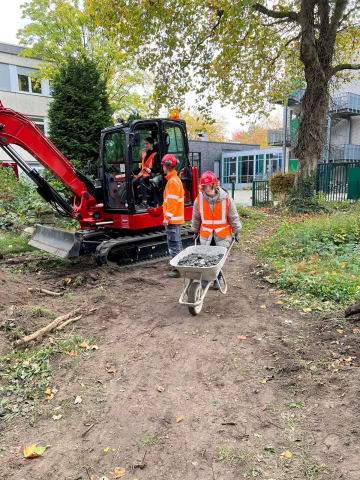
x=26 y=375
x=317 y=257
x=148 y=440
x=11 y=243
x=229 y=454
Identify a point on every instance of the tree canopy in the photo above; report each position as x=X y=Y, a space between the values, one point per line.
x=245 y=53
x=196 y=123
x=79 y=111
x=256 y=133
x=63 y=29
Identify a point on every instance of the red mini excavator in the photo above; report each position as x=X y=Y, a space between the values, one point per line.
x=114 y=224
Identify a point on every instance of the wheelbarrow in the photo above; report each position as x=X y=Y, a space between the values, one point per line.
x=193 y=289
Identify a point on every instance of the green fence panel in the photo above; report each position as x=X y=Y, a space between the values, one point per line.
x=260 y=193
x=353 y=192
x=334 y=180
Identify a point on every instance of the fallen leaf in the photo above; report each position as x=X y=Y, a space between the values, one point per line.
x=110 y=369
x=160 y=389
x=92 y=347
x=48 y=398
x=180 y=419
x=262 y=306
x=306 y=310
x=84 y=345
x=78 y=399
x=33 y=451
x=288 y=454
x=118 y=472
x=356 y=330
x=106 y=449
x=47 y=391
x=340 y=331
x=72 y=354
x=279 y=302
x=241 y=337
x=194 y=463
x=26 y=362
x=264 y=381
x=57 y=417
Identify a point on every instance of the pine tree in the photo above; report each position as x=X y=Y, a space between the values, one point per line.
x=79 y=111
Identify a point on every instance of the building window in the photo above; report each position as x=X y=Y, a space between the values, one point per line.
x=40 y=123
x=229 y=170
x=23 y=83
x=27 y=84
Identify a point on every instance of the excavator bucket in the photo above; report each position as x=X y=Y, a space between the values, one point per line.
x=58 y=241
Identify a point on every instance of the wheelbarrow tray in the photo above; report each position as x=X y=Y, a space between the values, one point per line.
x=200 y=273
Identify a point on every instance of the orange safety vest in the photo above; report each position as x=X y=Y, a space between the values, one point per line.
x=214 y=221
x=173 y=205
x=148 y=164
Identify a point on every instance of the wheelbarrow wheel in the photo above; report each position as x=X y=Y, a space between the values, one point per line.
x=194 y=296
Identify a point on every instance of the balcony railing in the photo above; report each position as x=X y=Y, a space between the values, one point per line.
x=295 y=96
x=344 y=105
x=340 y=153
x=277 y=137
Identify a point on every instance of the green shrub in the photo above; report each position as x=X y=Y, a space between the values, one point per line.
x=281 y=185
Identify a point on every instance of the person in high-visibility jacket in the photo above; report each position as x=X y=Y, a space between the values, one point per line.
x=215 y=217
x=150 y=164
x=173 y=209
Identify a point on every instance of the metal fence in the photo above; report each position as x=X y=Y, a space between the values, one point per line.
x=260 y=193
x=338 y=181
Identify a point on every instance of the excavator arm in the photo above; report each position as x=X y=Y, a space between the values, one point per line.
x=17 y=129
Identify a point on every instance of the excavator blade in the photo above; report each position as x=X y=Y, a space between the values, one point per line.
x=58 y=241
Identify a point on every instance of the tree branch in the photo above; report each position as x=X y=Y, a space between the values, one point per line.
x=286 y=45
x=340 y=7
x=346 y=66
x=274 y=13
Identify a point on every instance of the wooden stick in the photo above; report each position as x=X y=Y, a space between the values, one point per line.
x=43 y=290
x=48 y=328
x=75 y=319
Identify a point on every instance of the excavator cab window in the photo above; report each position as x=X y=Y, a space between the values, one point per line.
x=115 y=169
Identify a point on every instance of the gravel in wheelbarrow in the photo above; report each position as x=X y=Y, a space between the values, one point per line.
x=201 y=260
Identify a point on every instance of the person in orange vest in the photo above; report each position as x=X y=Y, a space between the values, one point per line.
x=173 y=209
x=150 y=164
x=215 y=216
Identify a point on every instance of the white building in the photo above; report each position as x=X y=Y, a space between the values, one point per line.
x=20 y=92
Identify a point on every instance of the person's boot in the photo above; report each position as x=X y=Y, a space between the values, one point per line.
x=173 y=274
x=217 y=283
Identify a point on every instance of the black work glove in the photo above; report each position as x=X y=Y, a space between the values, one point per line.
x=237 y=237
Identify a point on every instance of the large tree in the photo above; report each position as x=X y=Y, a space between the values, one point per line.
x=245 y=53
x=63 y=29
x=79 y=111
x=196 y=123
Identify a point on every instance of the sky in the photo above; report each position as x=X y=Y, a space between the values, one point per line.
x=11 y=22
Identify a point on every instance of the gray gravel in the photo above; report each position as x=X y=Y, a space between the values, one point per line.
x=200 y=260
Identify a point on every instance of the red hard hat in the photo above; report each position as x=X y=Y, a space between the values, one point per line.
x=169 y=160
x=208 y=178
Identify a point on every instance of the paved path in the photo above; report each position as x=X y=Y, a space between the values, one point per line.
x=242 y=196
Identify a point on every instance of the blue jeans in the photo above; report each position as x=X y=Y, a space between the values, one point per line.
x=173 y=239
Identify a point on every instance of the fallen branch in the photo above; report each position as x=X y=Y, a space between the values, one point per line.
x=48 y=328
x=75 y=319
x=43 y=290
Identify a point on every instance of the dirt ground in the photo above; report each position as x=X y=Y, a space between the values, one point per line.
x=187 y=398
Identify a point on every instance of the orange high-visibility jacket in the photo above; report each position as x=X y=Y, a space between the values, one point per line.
x=214 y=221
x=148 y=164
x=173 y=206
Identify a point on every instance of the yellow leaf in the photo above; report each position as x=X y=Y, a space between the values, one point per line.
x=32 y=451
x=335 y=371
x=262 y=306
x=47 y=391
x=340 y=331
x=179 y=419
x=288 y=454
x=106 y=449
x=118 y=472
x=279 y=302
x=306 y=310
x=26 y=362
x=84 y=345
x=48 y=398
x=68 y=280
x=264 y=381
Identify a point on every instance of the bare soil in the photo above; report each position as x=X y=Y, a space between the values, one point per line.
x=188 y=399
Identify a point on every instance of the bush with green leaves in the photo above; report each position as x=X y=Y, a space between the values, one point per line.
x=281 y=185
x=319 y=256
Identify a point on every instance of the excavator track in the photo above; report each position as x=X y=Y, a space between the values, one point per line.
x=130 y=250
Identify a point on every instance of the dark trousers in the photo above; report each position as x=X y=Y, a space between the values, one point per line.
x=142 y=181
x=173 y=239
